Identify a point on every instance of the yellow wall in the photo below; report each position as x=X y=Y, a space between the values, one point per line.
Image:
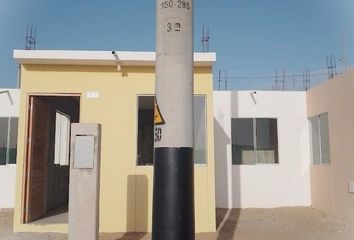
x=126 y=189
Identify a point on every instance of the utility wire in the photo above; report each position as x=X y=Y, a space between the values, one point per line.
x=271 y=76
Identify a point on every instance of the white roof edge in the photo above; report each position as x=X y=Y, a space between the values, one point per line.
x=73 y=57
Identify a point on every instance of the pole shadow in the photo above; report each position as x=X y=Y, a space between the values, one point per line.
x=132 y=236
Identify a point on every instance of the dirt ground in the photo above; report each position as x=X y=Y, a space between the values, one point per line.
x=246 y=224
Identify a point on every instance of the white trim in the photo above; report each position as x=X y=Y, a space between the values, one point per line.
x=73 y=57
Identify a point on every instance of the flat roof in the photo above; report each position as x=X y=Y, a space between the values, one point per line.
x=74 y=57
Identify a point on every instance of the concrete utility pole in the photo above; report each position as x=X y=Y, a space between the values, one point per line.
x=173 y=196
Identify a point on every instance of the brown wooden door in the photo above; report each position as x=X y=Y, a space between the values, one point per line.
x=35 y=205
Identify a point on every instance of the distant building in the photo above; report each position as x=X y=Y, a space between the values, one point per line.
x=9 y=105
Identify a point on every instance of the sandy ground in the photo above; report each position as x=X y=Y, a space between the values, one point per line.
x=247 y=224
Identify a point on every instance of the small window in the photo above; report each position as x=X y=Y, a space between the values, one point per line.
x=320 y=147
x=146 y=128
x=199 y=130
x=8 y=140
x=254 y=141
x=266 y=140
x=243 y=143
x=315 y=140
x=4 y=127
x=62 y=139
x=12 y=150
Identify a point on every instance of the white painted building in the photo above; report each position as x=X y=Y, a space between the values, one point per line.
x=262 y=150
x=9 y=102
x=277 y=149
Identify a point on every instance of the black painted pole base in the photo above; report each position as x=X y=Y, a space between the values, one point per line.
x=173 y=196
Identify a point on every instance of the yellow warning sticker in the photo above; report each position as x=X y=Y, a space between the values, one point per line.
x=158 y=119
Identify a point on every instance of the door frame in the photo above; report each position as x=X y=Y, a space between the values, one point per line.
x=27 y=149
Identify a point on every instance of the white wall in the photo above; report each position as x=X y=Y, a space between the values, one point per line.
x=7 y=186
x=222 y=149
x=263 y=185
x=9 y=107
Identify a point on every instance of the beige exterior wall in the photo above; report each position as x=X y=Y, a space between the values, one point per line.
x=329 y=183
x=126 y=189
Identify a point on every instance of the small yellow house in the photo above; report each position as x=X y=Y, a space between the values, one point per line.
x=95 y=86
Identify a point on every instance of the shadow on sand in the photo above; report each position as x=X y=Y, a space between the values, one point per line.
x=226 y=222
x=132 y=236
